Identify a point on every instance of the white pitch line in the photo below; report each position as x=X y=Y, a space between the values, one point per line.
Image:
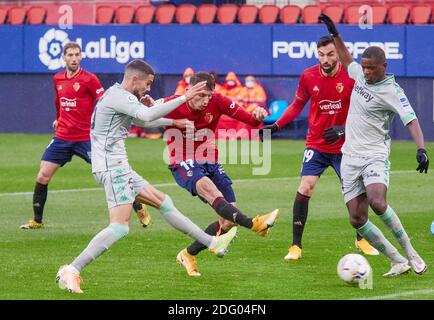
x=172 y=184
x=397 y=295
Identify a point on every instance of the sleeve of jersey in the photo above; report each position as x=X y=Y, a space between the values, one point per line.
x=56 y=102
x=302 y=96
x=235 y=111
x=95 y=88
x=399 y=104
x=153 y=124
x=354 y=70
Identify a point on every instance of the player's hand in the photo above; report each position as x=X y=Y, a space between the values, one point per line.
x=55 y=124
x=273 y=128
x=333 y=133
x=422 y=159
x=183 y=124
x=259 y=113
x=329 y=23
x=195 y=90
x=147 y=100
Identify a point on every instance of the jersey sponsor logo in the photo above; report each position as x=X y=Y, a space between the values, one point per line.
x=52 y=42
x=340 y=87
x=76 y=86
x=232 y=105
x=68 y=103
x=304 y=49
x=330 y=107
x=362 y=92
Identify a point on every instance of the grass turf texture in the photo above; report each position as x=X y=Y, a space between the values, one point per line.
x=142 y=266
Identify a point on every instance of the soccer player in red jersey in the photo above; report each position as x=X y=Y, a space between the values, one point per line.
x=194 y=164
x=329 y=88
x=77 y=91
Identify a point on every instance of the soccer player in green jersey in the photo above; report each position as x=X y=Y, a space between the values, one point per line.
x=375 y=99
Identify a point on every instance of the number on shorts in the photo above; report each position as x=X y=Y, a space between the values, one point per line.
x=308 y=154
x=187 y=164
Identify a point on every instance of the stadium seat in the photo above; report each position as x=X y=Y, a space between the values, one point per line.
x=420 y=14
x=3 y=14
x=310 y=14
x=290 y=14
x=16 y=15
x=144 y=14
x=205 y=13
x=104 y=14
x=124 y=15
x=352 y=15
x=277 y=108
x=247 y=14
x=336 y=13
x=185 y=13
x=268 y=14
x=398 y=14
x=164 y=13
x=226 y=13
x=36 y=15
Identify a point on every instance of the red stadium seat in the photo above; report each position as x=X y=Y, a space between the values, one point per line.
x=290 y=14
x=398 y=14
x=36 y=15
x=352 y=15
x=124 y=14
x=3 y=14
x=164 y=13
x=205 y=13
x=247 y=14
x=104 y=14
x=268 y=14
x=226 y=13
x=16 y=15
x=310 y=14
x=336 y=13
x=185 y=13
x=420 y=14
x=144 y=14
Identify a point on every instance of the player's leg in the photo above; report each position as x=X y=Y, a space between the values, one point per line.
x=57 y=153
x=360 y=243
x=83 y=150
x=376 y=193
x=177 y=220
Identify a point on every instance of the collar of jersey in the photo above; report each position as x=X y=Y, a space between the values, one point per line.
x=389 y=76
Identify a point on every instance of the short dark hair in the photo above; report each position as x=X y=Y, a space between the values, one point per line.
x=139 y=66
x=323 y=41
x=375 y=53
x=203 y=76
x=71 y=45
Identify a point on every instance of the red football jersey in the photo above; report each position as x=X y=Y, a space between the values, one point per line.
x=330 y=101
x=200 y=146
x=75 y=101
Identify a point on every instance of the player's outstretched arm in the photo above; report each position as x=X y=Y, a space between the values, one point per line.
x=343 y=53
x=421 y=155
x=158 y=111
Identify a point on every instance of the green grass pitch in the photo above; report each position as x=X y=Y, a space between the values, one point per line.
x=143 y=266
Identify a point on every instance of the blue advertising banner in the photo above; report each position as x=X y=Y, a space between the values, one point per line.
x=294 y=47
x=222 y=48
x=106 y=49
x=11 y=53
x=245 y=49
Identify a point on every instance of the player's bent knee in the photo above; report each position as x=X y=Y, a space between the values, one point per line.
x=378 y=205
x=43 y=177
x=358 y=222
x=119 y=230
x=167 y=206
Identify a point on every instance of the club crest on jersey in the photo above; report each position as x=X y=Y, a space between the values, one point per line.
x=339 y=87
x=315 y=88
x=208 y=117
x=76 y=86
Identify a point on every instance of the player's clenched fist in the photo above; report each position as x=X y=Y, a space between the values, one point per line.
x=259 y=113
x=184 y=124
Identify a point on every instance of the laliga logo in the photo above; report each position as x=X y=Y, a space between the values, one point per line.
x=50 y=48
x=52 y=42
